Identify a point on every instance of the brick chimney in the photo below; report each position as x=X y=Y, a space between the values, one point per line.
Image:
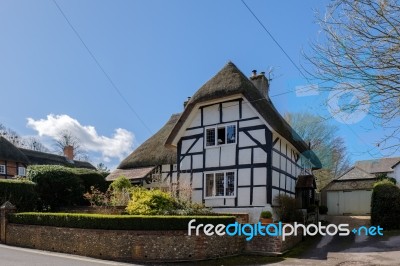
x=260 y=82
x=69 y=152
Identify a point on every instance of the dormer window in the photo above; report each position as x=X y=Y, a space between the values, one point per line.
x=220 y=135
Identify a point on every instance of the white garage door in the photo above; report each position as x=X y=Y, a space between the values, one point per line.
x=355 y=202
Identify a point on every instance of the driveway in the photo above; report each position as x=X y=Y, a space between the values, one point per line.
x=352 y=249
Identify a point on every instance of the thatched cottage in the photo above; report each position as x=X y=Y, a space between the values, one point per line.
x=350 y=194
x=230 y=145
x=14 y=160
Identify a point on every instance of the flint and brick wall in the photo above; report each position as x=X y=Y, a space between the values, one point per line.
x=124 y=245
x=272 y=244
x=155 y=246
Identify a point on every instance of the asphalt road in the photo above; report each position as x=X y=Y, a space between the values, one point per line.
x=14 y=256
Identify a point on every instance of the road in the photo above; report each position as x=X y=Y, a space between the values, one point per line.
x=14 y=256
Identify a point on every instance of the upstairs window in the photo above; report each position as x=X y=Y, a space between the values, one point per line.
x=2 y=169
x=220 y=135
x=21 y=171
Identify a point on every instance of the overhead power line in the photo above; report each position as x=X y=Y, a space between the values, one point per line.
x=113 y=85
x=295 y=65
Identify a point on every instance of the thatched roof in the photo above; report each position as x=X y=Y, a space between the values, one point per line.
x=9 y=152
x=44 y=158
x=131 y=174
x=231 y=81
x=153 y=151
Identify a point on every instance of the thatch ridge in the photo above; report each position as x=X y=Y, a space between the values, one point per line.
x=231 y=81
x=9 y=152
x=44 y=158
x=153 y=152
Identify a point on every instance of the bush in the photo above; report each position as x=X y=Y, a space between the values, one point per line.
x=286 y=209
x=57 y=186
x=115 y=222
x=21 y=193
x=151 y=202
x=384 y=176
x=90 y=178
x=323 y=209
x=157 y=202
x=120 y=183
x=385 y=205
x=60 y=186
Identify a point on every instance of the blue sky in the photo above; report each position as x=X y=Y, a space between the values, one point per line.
x=157 y=53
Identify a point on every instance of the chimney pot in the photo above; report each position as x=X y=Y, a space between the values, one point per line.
x=69 y=152
x=186 y=102
x=261 y=83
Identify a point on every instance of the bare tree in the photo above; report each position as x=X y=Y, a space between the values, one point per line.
x=33 y=143
x=359 y=53
x=66 y=138
x=101 y=167
x=324 y=141
x=11 y=135
x=30 y=143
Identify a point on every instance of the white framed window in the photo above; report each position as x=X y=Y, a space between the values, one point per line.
x=220 y=135
x=2 y=169
x=220 y=184
x=21 y=171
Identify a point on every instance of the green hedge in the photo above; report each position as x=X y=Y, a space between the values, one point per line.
x=91 y=178
x=115 y=222
x=385 y=205
x=60 y=186
x=21 y=193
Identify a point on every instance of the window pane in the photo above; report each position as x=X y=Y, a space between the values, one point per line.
x=219 y=182
x=231 y=134
x=230 y=184
x=221 y=135
x=209 y=185
x=210 y=137
x=21 y=171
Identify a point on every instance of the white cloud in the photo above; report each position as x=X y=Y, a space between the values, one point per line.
x=117 y=146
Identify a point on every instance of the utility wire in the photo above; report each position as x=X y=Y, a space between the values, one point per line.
x=113 y=85
x=294 y=64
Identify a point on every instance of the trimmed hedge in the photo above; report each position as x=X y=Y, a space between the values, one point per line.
x=60 y=186
x=385 y=205
x=115 y=222
x=91 y=178
x=21 y=193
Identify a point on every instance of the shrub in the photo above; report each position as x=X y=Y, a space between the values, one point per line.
x=120 y=183
x=21 y=193
x=57 y=186
x=266 y=214
x=385 y=205
x=60 y=186
x=151 y=202
x=90 y=178
x=323 y=209
x=286 y=209
x=115 y=222
x=384 y=176
x=157 y=202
